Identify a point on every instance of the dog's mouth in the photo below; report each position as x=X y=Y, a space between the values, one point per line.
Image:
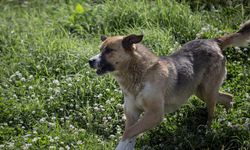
x=104 y=68
x=100 y=71
x=101 y=65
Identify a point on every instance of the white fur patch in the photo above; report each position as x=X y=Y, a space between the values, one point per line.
x=97 y=59
x=128 y=144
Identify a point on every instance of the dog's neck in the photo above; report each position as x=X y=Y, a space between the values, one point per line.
x=131 y=77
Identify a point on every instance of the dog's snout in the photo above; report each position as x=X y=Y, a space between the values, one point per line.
x=92 y=63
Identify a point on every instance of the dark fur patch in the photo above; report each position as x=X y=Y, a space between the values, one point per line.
x=128 y=41
x=104 y=66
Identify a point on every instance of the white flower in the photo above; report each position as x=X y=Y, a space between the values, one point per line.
x=99 y=95
x=35 y=139
x=11 y=145
x=30 y=87
x=119 y=106
x=38 y=67
x=229 y=124
x=26 y=146
x=71 y=126
x=30 y=77
x=51 y=98
x=247 y=96
x=57 y=90
x=52 y=147
x=23 y=79
x=18 y=74
x=236 y=48
x=67 y=147
x=42 y=120
x=51 y=140
x=14 y=95
x=96 y=108
x=123 y=117
x=69 y=79
x=79 y=142
x=52 y=124
x=56 y=82
x=111 y=136
x=205 y=28
x=108 y=102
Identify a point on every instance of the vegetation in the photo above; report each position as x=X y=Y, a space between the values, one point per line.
x=51 y=99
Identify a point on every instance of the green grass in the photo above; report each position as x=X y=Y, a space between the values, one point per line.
x=51 y=99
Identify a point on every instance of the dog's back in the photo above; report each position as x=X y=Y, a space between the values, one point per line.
x=199 y=68
x=195 y=63
x=194 y=60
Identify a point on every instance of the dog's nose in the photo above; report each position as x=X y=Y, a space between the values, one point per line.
x=91 y=63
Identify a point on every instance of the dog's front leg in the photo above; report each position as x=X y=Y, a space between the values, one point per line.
x=148 y=121
x=154 y=112
x=132 y=115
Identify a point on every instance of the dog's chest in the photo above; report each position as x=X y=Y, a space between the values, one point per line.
x=138 y=99
x=134 y=99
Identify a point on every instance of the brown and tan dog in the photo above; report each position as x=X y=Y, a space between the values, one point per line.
x=158 y=85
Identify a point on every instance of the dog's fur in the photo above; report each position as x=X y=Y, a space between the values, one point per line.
x=158 y=85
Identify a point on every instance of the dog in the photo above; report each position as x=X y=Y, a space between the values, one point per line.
x=158 y=85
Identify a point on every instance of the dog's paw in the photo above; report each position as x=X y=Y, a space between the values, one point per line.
x=127 y=144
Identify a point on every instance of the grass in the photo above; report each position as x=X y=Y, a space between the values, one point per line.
x=51 y=99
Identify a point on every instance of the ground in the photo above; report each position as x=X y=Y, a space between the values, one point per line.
x=51 y=99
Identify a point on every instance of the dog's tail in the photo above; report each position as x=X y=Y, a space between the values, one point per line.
x=240 y=38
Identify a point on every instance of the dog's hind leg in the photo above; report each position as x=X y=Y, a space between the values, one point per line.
x=209 y=96
x=208 y=91
x=224 y=99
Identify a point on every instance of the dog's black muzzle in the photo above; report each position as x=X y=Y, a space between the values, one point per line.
x=92 y=63
x=101 y=65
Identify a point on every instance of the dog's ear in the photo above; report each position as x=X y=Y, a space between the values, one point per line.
x=103 y=37
x=129 y=40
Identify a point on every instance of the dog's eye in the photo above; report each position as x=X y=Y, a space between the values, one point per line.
x=108 y=50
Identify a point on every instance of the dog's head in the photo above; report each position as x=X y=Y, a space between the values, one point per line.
x=115 y=53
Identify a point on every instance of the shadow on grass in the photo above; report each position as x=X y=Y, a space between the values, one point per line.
x=189 y=131
x=185 y=129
